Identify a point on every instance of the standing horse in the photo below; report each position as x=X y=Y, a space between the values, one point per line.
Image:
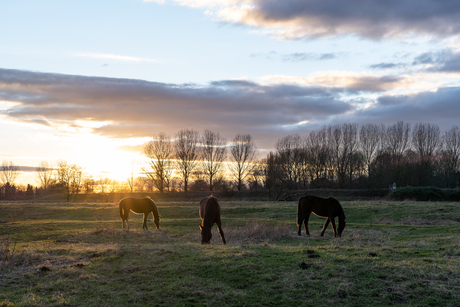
x=210 y=214
x=139 y=206
x=323 y=207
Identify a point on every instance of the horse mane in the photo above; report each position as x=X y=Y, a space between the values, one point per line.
x=155 y=211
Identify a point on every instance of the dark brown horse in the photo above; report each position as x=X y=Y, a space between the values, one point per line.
x=210 y=214
x=139 y=206
x=323 y=207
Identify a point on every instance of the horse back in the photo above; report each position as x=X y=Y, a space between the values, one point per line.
x=137 y=205
x=323 y=207
x=209 y=210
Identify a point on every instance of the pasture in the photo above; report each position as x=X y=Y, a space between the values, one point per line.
x=76 y=254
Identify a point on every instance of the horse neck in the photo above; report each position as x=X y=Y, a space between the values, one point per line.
x=155 y=210
x=341 y=216
x=209 y=217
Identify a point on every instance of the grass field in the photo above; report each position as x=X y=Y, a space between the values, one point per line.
x=75 y=254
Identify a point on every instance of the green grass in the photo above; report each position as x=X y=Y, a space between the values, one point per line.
x=391 y=253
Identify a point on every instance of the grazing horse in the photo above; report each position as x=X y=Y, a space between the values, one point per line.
x=210 y=214
x=323 y=207
x=139 y=206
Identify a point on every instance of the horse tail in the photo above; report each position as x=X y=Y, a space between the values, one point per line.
x=299 y=219
x=120 y=208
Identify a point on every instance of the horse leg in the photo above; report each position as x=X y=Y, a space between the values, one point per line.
x=307 y=217
x=300 y=228
x=333 y=227
x=221 y=232
x=325 y=226
x=144 y=224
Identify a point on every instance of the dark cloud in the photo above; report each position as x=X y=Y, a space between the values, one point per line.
x=374 y=19
x=387 y=66
x=136 y=108
x=440 y=107
x=440 y=61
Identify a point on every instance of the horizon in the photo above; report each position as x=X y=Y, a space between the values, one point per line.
x=90 y=83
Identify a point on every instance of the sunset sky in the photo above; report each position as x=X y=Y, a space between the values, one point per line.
x=89 y=82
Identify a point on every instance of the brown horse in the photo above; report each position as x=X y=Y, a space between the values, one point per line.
x=210 y=214
x=323 y=207
x=139 y=206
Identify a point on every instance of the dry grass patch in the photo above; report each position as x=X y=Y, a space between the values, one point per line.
x=255 y=231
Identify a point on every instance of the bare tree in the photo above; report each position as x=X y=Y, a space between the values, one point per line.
x=317 y=154
x=159 y=151
x=213 y=154
x=396 y=138
x=290 y=156
x=131 y=178
x=271 y=173
x=70 y=176
x=186 y=154
x=9 y=172
x=451 y=155
x=425 y=140
x=244 y=152
x=104 y=184
x=346 y=157
x=44 y=174
x=395 y=142
x=369 y=141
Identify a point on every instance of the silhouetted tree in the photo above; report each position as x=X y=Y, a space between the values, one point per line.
x=450 y=156
x=159 y=151
x=186 y=154
x=395 y=141
x=369 y=142
x=70 y=176
x=290 y=158
x=213 y=154
x=44 y=174
x=425 y=140
x=243 y=150
x=130 y=179
x=9 y=172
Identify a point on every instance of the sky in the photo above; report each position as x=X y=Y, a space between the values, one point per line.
x=90 y=82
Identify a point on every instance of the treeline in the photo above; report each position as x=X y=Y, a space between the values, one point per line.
x=370 y=156
x=346 y=156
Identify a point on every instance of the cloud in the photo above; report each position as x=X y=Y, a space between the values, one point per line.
x=440 y=107
x=127 y=108
x=372 y=19
x=308 y=56
x=388 y=66
x=347 y=81
x=297 y=56
x=135 y=108
x=447 y=61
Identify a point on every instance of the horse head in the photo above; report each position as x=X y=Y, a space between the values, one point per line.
x=156 y=221
x=206 y=234
x=342 y=223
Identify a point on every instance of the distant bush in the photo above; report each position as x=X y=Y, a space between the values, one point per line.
x=426 y=194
